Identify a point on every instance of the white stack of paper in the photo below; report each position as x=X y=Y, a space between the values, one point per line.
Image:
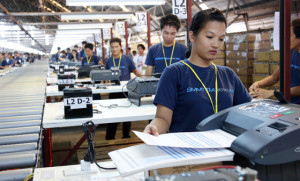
x=176 y=149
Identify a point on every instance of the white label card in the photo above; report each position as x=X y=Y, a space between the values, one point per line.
x=65 y=81
x=106 y=34
x=120 y=28
x=78 y=102
x=179 y=8
x=141 y=21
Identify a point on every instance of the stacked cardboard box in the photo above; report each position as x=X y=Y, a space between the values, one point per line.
x=237 y=57
x=265 y=59
x=220 y=57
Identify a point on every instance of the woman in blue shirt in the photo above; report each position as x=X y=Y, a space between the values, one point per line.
x=195 y=88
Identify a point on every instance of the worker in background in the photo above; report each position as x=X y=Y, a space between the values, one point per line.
x=76 y=48
x=140 y=59
x=32 y=59
x=129 y=53
x=75 y=56
x=126 y=65
x=169 y=51
x=11 y=61
x=63 y=56
x=69 y=54
x=90 y=58
x=133 y=53
x=18 y=59
x=256 y=88
x=3 y=62
x=82 y=53
x=195 y=88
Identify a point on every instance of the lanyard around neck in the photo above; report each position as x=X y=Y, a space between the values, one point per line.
x=119 y=61
x=162 y=44
x=215 y=107
x=88 y=60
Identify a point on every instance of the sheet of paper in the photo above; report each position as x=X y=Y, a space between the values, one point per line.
x=146 y=157
x=206 y=139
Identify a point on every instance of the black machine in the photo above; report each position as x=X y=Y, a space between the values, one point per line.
x=84 y=71
x=78 y=103
x=267 y=132
x=65 y=81
x=139 y=87
x=99 y=75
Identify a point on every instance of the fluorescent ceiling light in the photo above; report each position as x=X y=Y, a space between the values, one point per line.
x=91 y=31
x=95 y=16
x=85 y=26
x=236 y=27
x=113 y=2
x=203 y=6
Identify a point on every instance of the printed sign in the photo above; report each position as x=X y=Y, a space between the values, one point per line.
x=78 y=102
x=141 y=22
x=120 y=28
x=179 y=8
x=65 y=81
x=106 y=34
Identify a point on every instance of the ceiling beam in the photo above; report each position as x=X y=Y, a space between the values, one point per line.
x=20 y=25
x=63 y=23
x=65 y=13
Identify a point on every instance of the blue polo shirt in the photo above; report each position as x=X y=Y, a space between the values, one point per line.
x=126 y=66
x=295 y=73
x=155 y=56
x=11 y=62
x=69 y=56
x=82 y=54
x=19 y=60
x=27 y=59
x=180 y=90
x=94 y=60
x=3 y=62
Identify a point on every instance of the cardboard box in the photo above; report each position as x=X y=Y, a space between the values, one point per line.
x=230 y=63
x=273 y=67
x=246 y=79
x=261 y=68
x=266 y=45
x=255 y=45
x=244 y=71
x=251 y=37
x=262 y=56
x=266 y=35
x=275 y=56
x=236 y=38
x=242 y=63
x=236 y=46
x=221 y=54
x=219 y=61
x=231 y=54
x=251 y=55
x=258 y=77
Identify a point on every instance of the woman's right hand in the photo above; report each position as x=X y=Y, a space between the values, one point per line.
x=151 y=129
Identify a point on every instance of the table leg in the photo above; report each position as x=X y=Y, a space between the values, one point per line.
x=47 y=147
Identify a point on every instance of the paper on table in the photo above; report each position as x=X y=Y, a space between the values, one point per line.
x=146 y=157
x=206 y=139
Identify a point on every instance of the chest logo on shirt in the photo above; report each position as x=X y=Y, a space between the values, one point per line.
x=167 y=58
x=201 y=89
x=295 y=66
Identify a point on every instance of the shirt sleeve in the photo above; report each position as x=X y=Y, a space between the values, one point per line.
x=96 y=60
x=150 y=59
x=131 y=64
x=167 y=92
x=241 y=95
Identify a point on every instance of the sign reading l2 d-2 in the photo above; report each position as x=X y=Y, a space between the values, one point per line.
x=78 y=102
x=179 y=8
x=141 y=21
x=120 y=27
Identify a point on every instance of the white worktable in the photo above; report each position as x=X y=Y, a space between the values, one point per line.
x=105 y=88
x=58 y=174
x=54 y=113
x=53 y=80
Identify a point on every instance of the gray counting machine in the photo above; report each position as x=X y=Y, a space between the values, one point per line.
x=267 y=131
x=100 y=75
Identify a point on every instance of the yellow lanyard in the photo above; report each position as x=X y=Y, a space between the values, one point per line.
x=88 y=60
x=119 y=61
x=162 y=44
x=215 y=108
x=1 y=61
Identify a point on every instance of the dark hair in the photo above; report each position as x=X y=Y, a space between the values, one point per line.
x=170 y=20
x=129 y=48
x=84 y=42
x=63 y=52
x=15 y=52
x=76 y=46
x=202 y=17
x=142 y=46
x=89 y=46
x=58 y=48
x=117 y=40
x=2 y=53
x=9 y=53
x=133 y=52
x=199 y=21
x=296 y=27
x=68 y=49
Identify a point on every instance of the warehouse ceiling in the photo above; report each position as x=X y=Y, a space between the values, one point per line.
x=258 y=15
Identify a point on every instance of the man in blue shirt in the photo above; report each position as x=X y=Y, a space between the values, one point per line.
x=57 y=55
x=32 y=59
x=255 y=88
x=17 y=58
x=11 y=61
x=90 y=58
x=169 y=51
x=126 y=65
x=3 y=62
x=82 y=54
x=69 y=54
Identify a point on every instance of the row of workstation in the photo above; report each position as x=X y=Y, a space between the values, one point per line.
x=104 y=111
x=22 y=97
